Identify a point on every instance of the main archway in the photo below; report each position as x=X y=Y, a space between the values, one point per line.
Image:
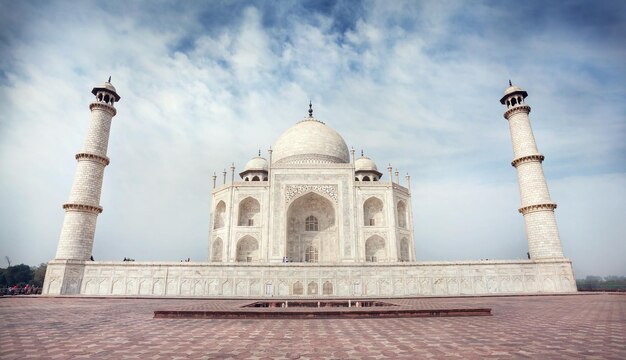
x=312 y=230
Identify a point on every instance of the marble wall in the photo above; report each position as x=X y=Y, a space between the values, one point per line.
x=266 y=280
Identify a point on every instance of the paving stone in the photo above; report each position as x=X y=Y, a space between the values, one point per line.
x=570 y=326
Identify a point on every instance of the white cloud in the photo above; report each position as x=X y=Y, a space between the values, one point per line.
x=402 y=83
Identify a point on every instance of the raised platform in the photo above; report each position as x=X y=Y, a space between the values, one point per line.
x=306 y=280
x=316 y=309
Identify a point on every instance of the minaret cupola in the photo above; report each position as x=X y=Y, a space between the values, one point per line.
x=365 y=169
x=256 y=169
x=106 y=93
x=513 y=96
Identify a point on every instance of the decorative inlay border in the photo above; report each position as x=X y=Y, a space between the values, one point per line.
x=292 y=191
x=525 y=159
x=103 y=106
x=537 y=207
x=97 y=158
x=82 y=207
x=241 y=234
x=515 y=109
x=311 y=159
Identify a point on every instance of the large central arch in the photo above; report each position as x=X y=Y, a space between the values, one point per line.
x=311 y=230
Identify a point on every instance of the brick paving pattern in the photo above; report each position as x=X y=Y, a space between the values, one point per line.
x=566 y=327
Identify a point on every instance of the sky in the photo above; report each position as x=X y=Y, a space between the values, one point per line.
x=415 y=84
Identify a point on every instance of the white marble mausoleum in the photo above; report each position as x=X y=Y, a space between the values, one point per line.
x=309 y=219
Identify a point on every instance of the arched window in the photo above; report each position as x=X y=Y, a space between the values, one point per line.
x=312 y=288
x=375 y=249
x=220 y=212
x=327 y=289
x=311 y=254
x=256 y=178
x=265 y=178
x=366 y=178
x=373 y=212
x=246 y=179
x=249 y=210
x=311 y=224
x=401 y=214
x=247 y=249
x=356 y=179
x=513 y=102
x=216 y=250
x=298 y=289
x=404 y=250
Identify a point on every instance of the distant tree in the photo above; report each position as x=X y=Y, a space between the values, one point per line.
x=597 y=283
x=39 y=273
x=18 y=275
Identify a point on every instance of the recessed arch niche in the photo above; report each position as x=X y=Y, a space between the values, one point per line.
x=249 y=210
x=321 y=239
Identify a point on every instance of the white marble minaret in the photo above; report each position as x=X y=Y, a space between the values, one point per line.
x=537 y=207
x=83 y=206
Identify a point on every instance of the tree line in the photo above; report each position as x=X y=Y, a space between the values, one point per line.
x=22 y=275
x=598 y=283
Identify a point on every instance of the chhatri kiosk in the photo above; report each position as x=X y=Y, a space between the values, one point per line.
x=310 y=220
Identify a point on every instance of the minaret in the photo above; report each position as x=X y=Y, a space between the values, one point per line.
x=537 y=207
x=83 y=206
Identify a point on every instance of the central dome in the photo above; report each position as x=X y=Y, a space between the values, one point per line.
x=310 y=142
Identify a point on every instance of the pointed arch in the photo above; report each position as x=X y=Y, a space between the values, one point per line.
x=247 y=249
x=311 y=224
x=249 y=212
x=219 y=219
x=312 y=288
x=327 y=288
x=405 y=250
x=375 y=249
x=401 y=213
x=298 y=289
x=373 y=212
x=216 y=250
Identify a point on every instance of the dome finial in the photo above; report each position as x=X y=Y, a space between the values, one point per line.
x=510 y=84
x=310 y=109
x=259 y=152
x=109 y=79
x=361 y=152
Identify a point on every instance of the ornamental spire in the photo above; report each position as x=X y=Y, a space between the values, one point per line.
x=510 y=84
x=310 y=109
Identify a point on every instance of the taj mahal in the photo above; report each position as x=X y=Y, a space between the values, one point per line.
x=310 y=219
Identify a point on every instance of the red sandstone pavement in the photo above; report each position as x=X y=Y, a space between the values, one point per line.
x=566 y=327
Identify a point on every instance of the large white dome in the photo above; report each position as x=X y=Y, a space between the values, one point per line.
x=310 y=141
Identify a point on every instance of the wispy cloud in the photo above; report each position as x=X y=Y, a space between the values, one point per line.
x=414 y=84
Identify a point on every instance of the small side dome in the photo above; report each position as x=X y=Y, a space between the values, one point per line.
x=255 y=170
x=365 y=169
x=365 y=164
x=257 y=163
